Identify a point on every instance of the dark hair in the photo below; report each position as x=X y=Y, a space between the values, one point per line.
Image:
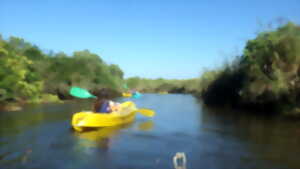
x=97 y=104
x=103 y=94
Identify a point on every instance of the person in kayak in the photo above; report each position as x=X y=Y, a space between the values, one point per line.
x=103 y=104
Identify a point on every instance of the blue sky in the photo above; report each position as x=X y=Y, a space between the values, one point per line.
x=152 y=39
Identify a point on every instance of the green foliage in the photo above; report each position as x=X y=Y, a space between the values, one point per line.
x=267 y=73
x=272 y=64
x=50 y=98
x=83 y=69
x=163 y=85
x=116 y=71
x=13 y=76
x=207 y=78
x=27 y=73
x=34 y=53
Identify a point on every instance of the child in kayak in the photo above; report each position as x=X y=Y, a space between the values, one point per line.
x=103 y=104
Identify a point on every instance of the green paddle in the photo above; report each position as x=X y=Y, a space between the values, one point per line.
x=81 y=93
x=125 y=86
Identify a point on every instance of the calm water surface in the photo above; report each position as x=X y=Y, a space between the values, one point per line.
x=40 y=137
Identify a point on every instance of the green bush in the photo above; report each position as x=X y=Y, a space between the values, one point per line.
x=28 y=74
x=266 y=75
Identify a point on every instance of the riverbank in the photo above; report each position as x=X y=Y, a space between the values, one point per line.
x=10 y=107
x=49 y=98
x=266 y=77
x=17 y=105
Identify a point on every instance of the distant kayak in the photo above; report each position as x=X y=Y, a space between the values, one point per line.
x=136 y=95
x=126 y=94
x=163 y=92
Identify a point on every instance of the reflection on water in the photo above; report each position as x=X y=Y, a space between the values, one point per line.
x=99 y=143
x=146 y=126
x=271 y=138
x=101 y=137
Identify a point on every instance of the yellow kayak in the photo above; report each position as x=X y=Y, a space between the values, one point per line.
x=125 y=115
x=126 y=94
x=163 y=92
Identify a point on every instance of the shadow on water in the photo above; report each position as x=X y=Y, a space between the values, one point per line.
x=268 y=137
x=35 y=115
x=101 y=137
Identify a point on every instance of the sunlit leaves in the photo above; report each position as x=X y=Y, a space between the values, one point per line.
x=269 y=70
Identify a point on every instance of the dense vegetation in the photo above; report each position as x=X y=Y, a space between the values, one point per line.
x=266 y=76
x=163 y=85
x=28 y=74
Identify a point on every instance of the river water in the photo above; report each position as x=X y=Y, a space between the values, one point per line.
x=40 y=137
